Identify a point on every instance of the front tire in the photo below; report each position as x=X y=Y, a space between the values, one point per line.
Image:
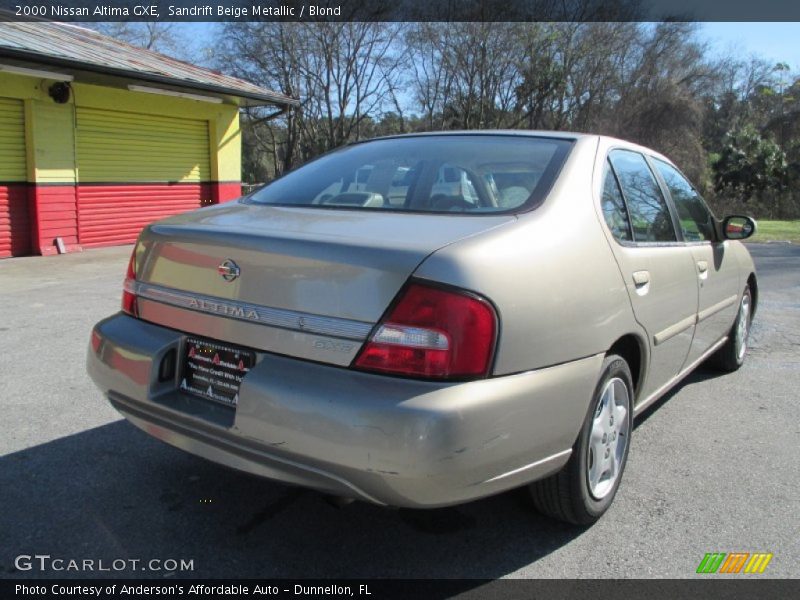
x=584 y=489
x=732 y=354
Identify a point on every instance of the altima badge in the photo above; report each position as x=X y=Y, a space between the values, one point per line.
x=229 y=270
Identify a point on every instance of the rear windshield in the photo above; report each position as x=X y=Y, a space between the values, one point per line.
x=455 y=173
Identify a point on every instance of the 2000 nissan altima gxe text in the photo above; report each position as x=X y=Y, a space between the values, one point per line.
x=424 y=320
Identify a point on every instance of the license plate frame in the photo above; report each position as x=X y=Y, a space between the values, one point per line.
x=214 y=370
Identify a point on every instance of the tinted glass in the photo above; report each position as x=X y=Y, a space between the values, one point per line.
x=649 y=214
x=459 y=173
x=614 y=210
x=695 y=218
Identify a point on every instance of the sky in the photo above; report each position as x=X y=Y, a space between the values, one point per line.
x=779 y=42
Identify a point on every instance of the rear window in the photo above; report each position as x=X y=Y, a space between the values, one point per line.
x=454 y=173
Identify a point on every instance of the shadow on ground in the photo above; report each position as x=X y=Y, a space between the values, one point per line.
x=112 y=492
x=699 y=375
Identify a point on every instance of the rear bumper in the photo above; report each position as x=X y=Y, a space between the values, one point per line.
x=385 y=440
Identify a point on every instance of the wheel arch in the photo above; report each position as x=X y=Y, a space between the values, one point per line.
x=752 y=281
x=632 y=348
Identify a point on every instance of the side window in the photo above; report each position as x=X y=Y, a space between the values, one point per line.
x=649 y=214
x=613 y=204
x=696 y=222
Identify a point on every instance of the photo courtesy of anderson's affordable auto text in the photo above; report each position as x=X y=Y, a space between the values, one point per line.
x=138 y=590
x=376 y=299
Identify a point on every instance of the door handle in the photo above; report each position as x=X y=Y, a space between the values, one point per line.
x=641 y=278
x=702 y=269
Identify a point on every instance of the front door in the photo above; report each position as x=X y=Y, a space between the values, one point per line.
x=715 y=265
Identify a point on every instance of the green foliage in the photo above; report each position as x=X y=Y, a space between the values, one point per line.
x=750 y=165
x=777 y=231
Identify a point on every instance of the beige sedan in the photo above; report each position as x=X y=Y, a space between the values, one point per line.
x=360 y=328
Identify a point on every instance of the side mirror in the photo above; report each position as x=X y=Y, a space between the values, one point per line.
x=738 y=227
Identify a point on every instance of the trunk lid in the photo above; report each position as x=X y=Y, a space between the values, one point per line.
x=307 y=278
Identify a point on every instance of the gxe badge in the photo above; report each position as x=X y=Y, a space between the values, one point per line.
x=229 y=270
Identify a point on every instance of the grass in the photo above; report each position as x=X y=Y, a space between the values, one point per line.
x=774 y=231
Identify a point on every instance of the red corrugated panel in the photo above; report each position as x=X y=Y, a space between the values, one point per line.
x=115 y=214
x=56 y=216
x=228 y=190
x=15 y=224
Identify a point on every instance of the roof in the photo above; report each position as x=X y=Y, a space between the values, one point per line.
x=74 y=48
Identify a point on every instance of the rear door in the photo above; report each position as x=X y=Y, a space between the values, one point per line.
x=716 y=267
x=657 y=268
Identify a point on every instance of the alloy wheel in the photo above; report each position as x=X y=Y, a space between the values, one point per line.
x=608 y=439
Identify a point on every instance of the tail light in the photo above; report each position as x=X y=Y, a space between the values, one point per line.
x=129 y=304
x=434 y=333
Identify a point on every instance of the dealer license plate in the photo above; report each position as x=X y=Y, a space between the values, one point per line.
x=214 y=370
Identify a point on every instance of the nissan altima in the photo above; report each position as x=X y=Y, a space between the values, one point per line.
x=425 y=320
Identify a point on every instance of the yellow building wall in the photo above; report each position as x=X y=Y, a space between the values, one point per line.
x=59 y=210
x=223 y=120
x=50 y=126
x=53 y=134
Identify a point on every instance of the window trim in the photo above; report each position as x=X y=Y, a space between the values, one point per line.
x=679 y=241
x=607 y=163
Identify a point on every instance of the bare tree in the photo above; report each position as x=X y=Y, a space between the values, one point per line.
x=163 y=37
x=660 y=94
x=344 y=74
x=465 y=75
x=431 y=83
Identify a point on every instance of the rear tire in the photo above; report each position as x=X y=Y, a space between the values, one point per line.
x=732 y=354
x=584 y=489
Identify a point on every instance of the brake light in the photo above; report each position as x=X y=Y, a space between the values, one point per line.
x=435 y=333
x=129 y=304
